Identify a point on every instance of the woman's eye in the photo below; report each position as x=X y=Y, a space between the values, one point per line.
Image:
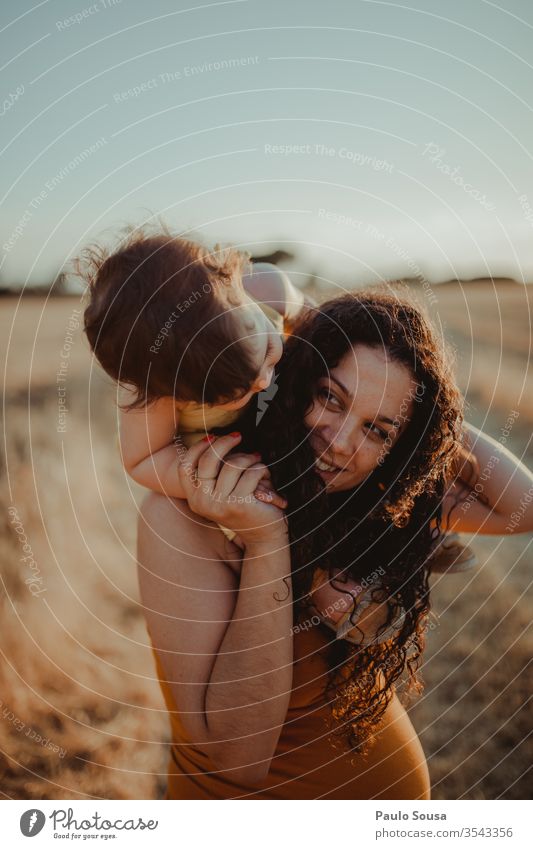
x=377 y=430
x=325 y=393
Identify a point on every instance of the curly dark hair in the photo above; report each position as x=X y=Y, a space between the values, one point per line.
x=390 y=521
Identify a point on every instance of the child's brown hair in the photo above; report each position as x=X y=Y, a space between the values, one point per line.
x=161 y=318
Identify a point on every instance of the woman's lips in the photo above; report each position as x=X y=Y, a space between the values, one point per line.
x=331 y=473
x=328 y=471
x=322 y=466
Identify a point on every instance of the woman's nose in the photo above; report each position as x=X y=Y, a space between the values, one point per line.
x=343 y=441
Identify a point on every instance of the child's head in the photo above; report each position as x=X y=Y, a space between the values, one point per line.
x=170 y=318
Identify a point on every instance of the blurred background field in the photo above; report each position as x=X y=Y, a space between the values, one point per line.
x=358 y=140
x=81 y=715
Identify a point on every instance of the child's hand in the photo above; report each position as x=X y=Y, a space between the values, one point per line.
x=266 y=492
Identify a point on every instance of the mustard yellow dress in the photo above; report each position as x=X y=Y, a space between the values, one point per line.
x=305 y=764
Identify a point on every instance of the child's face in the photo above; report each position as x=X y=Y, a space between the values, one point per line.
x=267 y=345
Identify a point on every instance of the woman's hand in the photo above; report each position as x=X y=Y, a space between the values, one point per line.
x=333 y=604
x=225 y=490
x=340 y=609
x=499 y=501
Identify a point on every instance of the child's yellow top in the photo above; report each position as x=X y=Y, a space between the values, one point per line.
x=195 y=420
x=198 y=419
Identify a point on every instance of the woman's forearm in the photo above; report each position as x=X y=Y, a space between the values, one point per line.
x=249 y=690
x=505 y=484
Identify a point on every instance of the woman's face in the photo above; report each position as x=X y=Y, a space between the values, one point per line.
x=360 y=410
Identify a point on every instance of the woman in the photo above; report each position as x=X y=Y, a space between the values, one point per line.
x=365 y=441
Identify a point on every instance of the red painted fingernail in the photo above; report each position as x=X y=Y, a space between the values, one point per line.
x=256 y=454
x=235 y=434
x=208 y=438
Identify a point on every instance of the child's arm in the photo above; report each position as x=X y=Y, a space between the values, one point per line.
x=270 y=285
x=500 y=501
x=148 y=453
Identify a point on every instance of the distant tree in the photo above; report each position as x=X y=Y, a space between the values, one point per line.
x=275 y=257
x=59 y=286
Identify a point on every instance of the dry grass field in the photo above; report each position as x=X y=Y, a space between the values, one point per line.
x=81 y=715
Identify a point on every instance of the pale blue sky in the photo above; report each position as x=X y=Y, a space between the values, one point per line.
x=351 y=92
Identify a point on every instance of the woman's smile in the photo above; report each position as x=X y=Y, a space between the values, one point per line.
x=325 y=467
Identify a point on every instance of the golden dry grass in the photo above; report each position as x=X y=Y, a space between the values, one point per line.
x=75 y=667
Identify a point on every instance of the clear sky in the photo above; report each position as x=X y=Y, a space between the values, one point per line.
x=378 y=138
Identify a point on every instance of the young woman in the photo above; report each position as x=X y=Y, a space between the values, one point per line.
x=365 y=440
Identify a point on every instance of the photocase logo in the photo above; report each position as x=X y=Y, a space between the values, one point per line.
x=32 y=822
x=264 y=398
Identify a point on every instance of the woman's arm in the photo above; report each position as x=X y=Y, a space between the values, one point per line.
x=500 y=500
x=225 y=643
x=146 y=445
x=270 y=285
x=248 y=694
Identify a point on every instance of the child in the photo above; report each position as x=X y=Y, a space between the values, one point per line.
x=189 y=335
